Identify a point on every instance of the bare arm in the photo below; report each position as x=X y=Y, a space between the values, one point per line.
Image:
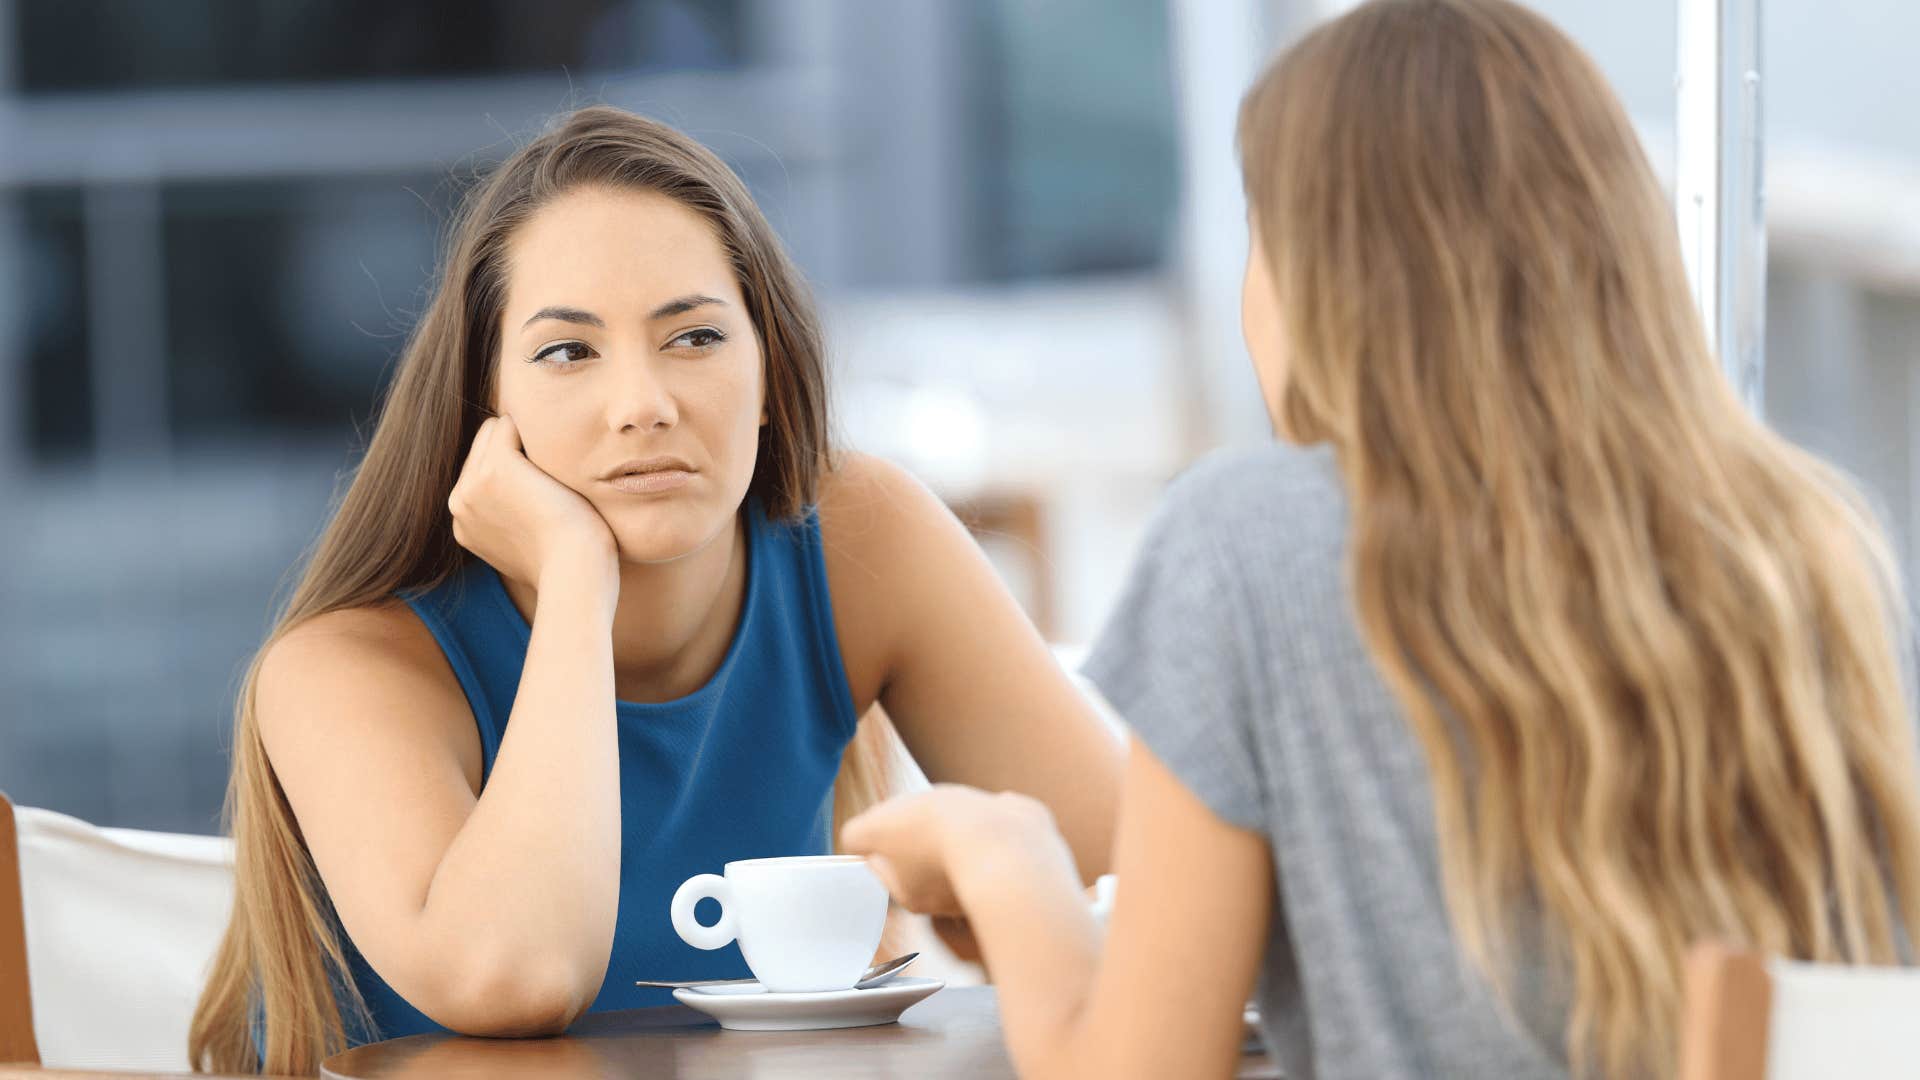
x=1189 y=926
x=490 y=911
x=491 y=914
x=929 y=630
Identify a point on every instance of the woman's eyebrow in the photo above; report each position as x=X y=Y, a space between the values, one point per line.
x=682 y=305
x=565 y=314
x=677 y=306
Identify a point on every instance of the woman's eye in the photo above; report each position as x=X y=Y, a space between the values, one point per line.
x=563 y=353
x=702 y=339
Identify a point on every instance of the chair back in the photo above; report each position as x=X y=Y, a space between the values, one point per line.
x=119 y=929
x=16 y=994
x=1749 y=1018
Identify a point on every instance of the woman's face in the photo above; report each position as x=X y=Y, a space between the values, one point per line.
x=626 y=346
x=1260 y=325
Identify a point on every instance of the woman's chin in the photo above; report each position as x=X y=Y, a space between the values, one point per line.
x=660 y=541
x=652 y=550
x=661 y=530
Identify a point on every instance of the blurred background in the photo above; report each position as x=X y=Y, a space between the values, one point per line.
x=218 y=219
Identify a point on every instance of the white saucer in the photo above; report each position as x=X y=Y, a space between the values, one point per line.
x=748 y=1007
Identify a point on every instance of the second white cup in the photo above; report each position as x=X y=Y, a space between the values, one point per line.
x=807 y=923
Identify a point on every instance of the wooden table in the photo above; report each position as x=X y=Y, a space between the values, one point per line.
x=25 y=1071
x=956 y=1032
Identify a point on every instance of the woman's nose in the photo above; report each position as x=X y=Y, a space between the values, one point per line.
x=640 y=399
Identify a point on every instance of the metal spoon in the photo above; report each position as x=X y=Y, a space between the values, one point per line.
x=874 y=976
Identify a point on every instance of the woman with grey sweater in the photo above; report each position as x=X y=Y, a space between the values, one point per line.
x=1534 y=659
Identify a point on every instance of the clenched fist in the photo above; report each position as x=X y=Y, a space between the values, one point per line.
x=522 y=521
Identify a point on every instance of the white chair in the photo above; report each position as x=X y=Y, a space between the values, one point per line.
x=119 y=926
x=1749 y=1018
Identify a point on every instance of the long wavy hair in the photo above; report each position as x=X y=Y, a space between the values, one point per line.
x=280 y=962
x=1650 y=649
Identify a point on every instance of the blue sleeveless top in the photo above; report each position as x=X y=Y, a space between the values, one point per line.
x=742 y=768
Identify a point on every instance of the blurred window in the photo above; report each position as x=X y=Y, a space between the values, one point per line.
x=284 y=302
x=58 y=367
x=145 y=44
x=1079 y=160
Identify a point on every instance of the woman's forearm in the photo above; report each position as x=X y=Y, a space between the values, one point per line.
x=530 y=885
x=1022 y=895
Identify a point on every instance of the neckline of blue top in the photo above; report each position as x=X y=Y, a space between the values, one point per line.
x=756 y=527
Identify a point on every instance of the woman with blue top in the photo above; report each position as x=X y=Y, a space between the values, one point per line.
x=1536 y=658
x=600 y=610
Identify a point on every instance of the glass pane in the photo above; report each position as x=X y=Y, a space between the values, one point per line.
x=133 y=44
x=1077 y=133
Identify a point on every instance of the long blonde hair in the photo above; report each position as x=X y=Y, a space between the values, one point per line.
x=281 y=960
x=1649 y=648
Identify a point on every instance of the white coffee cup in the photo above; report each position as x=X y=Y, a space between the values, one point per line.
x=804 y=924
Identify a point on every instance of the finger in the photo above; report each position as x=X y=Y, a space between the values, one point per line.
x=875 y=826
x=871 y=832
x=510 y=435
x=855 y=838
x=862 y=833
x=883 y=869
x=481 y=435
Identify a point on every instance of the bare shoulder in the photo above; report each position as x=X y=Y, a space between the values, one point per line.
x=891 y=548
x=865 y=498
x=386 y=637
x=877 y=520
x=352 y=679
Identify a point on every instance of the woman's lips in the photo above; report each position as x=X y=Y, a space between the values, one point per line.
x=651 y=482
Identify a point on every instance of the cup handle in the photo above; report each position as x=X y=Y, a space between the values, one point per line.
x=690 y=893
